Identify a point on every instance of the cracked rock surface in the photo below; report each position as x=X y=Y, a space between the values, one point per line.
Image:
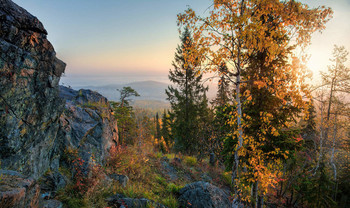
x=29 y=103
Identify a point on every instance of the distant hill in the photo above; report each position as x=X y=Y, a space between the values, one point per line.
x=148 y=90
x=152 y=106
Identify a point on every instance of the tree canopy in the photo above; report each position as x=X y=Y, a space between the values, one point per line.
x=257 y=40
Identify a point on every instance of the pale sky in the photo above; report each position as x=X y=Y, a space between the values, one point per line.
x=130 y=40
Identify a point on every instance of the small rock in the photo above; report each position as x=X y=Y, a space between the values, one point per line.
x=203 y=195
x=120 y=200
x=122 y=179
x=52 y=204
x=169 y=170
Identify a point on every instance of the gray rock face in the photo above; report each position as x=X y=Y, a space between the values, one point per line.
x=30 y=107
x=87 y=124
x=51 y=182
x=36 y=123
x=16 y=191
x=169 y=170
x=120 y=200
x=203 y=195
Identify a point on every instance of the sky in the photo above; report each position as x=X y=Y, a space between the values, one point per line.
x=109 y=41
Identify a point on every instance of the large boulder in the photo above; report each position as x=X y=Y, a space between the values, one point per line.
x=87 y=124
x=203 y=195
x=17 y=191
x=30 y=107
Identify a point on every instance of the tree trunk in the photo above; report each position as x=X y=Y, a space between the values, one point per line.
x=332 y=157
x=321 y=141
x=235 y=167
x=237 y=203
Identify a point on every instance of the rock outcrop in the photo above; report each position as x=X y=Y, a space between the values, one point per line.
x=87 y=124
x=203 y=195
x=30 y=107
x=37 y=124
x=39 y=120
x=17 y=191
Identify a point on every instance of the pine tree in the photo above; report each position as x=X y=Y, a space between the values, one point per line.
x=186 y=99
x=222 y=102
x=157 y=134
x=165 y=131
x=223 y=94
x=124 y=113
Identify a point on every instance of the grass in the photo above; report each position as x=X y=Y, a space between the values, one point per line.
x=170 y=156
x=94 y=105
x=173 y=188
x=190 y=161
x=143 y=165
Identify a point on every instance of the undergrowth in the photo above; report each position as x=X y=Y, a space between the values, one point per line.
x=142 y=164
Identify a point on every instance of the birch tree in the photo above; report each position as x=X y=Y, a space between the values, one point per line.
x=233 y=32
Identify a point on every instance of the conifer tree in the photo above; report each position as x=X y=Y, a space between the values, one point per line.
x=157 y=134
x=165 y=131
x=186 y=98
x=125 y=114
x=224 y=91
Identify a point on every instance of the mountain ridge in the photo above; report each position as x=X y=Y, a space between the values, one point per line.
x=148 y=90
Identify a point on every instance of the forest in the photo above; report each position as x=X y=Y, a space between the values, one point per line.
x=284 y=141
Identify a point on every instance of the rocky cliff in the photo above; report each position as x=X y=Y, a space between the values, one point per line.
x=37 y=124
x=30 y=107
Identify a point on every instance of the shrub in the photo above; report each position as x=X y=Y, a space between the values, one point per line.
x=170 y=202
x=159 y=155
x=190 y=161
x=128 y=161
x=173 y=188
x=161 y=180
x=226 y=176
x=75 y=202
x=170 y=156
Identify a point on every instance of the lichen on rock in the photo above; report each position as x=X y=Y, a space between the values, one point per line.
x=17 y=191
x=87 y=124
x=29 y=103
x=37 y=124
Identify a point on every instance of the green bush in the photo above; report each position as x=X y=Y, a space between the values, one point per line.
x=226 y=176
x=170 y=202
x=190 y=161
x=161 y=180
x=170 y=156
x=173 y=188
x=159 y=155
